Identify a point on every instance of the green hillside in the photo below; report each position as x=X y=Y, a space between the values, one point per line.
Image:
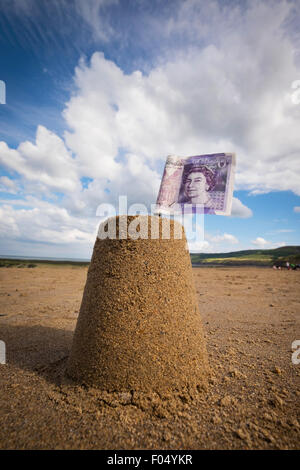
x=249 y=257
x=235 y=258
x=33 y=263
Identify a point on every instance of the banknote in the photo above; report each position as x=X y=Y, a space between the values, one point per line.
x=202 y=183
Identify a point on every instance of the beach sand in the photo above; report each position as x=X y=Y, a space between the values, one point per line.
x=250 y=316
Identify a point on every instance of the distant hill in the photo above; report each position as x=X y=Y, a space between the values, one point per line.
x=32 y=263
x=249 y=257
x=277 y=256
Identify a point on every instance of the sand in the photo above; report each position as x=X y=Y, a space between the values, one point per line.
x=250 y=318
x=139 y=326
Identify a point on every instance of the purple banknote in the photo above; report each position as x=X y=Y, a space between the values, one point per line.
x=203 y=183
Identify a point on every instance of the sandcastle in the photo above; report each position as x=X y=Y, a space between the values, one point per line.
x=139 y=325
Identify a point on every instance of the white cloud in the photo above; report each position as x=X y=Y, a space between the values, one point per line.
x=285 y=230
x=45 y=222
x=91 y=12
x=240 y=210
x=214 y=243
x=134 y=179
x=278 y=244
x=226 y=237
x=46 y=163
x=199 y=246
x=297 y=209
x=260 y=242
x=8 y=185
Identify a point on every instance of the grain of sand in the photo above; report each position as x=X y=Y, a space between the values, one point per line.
x=250 y=318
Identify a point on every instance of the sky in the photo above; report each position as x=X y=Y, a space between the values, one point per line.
x=99 y=92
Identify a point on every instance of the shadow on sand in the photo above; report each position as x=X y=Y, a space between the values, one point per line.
x=38 y=349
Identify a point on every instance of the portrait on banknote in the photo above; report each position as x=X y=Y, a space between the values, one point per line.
x=202 y=183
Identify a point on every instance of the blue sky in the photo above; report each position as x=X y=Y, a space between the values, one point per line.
x=99 y=92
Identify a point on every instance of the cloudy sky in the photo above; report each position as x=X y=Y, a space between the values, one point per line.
x=99 y=92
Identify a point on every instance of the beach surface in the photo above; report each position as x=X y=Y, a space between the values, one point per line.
x=251 y=317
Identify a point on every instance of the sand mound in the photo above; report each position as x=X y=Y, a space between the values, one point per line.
x=139 y=326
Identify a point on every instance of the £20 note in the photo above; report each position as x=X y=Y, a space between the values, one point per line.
x=202 y=183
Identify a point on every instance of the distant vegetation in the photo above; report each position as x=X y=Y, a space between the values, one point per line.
x=277 y=256
x=29 y=263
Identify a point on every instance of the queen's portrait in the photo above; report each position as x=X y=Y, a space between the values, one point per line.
x=197 y=183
